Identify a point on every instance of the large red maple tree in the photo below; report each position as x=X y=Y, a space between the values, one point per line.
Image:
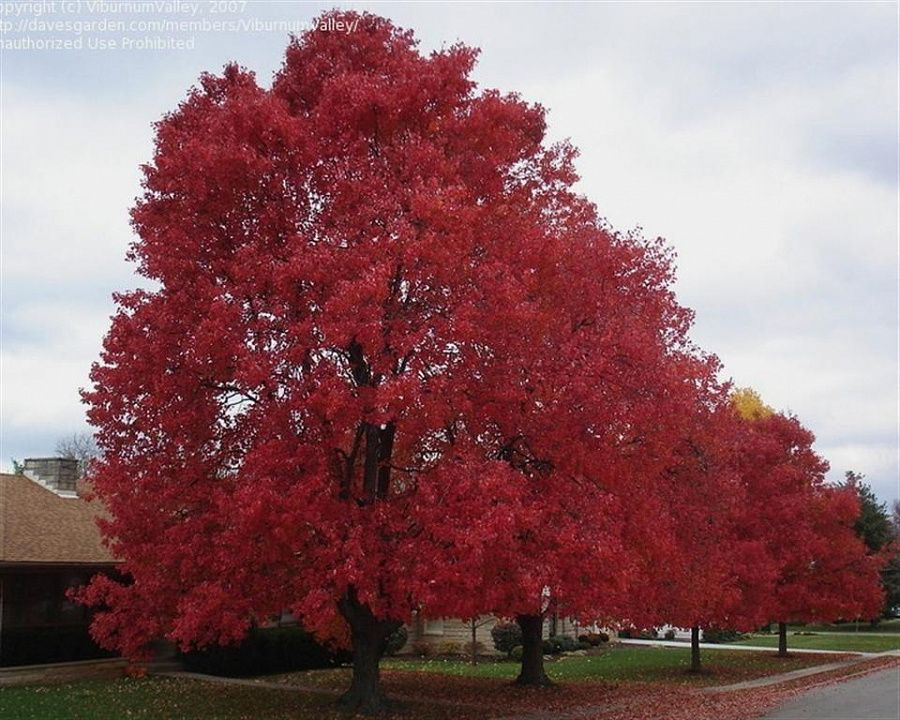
x=374 y=356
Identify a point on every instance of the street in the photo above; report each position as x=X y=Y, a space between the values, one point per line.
x=872 y=697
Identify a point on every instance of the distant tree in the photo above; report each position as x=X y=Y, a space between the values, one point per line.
x=749 y=405
x=874 y=524
x=824 y=570
x=473 y=644
x=717 y=574
x=877 y=529
x=81 y=447
x=890 y=577
x=18 y=468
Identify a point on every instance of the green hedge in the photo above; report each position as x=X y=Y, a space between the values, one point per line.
x=563 y=643
x=506 y=635
x=396 y=640
x=34 y=646
x=265 y=651
x=594 y=639
x=720 y=635
x=646 y=634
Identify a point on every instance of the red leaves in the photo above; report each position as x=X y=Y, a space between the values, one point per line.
x=758 y=536
x=392 y=350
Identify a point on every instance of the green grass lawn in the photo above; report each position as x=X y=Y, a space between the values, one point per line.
x=884 y=626
x=156 y=698
x=829 y=641
x=626 y=663
x=429 y=687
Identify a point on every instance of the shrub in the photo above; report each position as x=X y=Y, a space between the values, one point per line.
x=422 y=649
x=265 y=651
x=720 y=635
x=594 y=639
x=506 y=635
x=638 y=634
x=670 y=634
x=135 y=672
x=560 y=644
x=36 y=645
x=516 y=653
x=449 y=647
x=396 y=640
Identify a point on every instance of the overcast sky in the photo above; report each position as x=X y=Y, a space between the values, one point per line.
x=760 y=139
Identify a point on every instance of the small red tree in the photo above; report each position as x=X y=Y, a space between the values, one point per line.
x=709 y=578
x=349 y=267
x=834 y=576
x=822 y=569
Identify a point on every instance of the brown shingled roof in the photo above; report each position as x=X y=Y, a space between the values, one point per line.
x=39 y=526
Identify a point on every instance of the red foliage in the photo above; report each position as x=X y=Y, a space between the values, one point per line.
x=391 y=355
x=714 y=568
x=823 y=571
x=392 y=359
x=756 y=534
x=135 y=672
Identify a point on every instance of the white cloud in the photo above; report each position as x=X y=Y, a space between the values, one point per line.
x=43 y=372
x=71 y=171
x=760 y=139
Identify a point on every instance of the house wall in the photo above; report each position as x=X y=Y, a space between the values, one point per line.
x=452 y=635
x=38 y=623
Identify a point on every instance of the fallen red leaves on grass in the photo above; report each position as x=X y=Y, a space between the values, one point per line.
x=667 y=703
x=433 y=696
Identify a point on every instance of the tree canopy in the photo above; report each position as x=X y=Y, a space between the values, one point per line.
x=395 y=363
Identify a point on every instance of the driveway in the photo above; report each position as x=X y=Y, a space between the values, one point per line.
x=871 y=697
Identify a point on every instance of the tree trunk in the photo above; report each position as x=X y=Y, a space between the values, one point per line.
x=695 y=649
x=473 y=648
x=532 y=671
x=385 y=450
x=782 y=639
x=369 y=636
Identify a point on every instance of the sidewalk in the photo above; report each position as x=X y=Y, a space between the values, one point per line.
x=788 y=676
x=751 y=648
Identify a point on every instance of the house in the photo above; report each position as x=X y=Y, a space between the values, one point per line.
x=448 y=636
x=49 y=542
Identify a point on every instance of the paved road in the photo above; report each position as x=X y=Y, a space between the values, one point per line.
x=872 y=697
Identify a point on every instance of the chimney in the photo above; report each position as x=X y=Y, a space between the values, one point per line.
x=56 y=474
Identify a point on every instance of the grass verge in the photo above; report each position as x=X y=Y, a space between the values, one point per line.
x=829 y=641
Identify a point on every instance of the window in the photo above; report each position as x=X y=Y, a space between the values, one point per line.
x=434 y=627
